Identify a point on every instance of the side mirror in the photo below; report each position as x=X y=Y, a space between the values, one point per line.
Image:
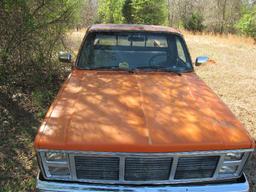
x=201 y=60
x=65 y=57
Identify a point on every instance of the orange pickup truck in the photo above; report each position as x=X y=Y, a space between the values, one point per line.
x=134 y=116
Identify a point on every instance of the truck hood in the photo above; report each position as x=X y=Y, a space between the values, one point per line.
x=140 y=112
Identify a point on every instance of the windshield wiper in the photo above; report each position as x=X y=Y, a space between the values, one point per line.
x=110 y=68
x=173 y=71
x=144 y=68
x=156 y=68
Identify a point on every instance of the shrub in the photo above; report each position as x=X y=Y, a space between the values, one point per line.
x=127 y=11
x=110 y=11
x=42 y=97
x=194 y=22
x=133 y=11
x=149 y=11
x=247 y=23
x=31 y=33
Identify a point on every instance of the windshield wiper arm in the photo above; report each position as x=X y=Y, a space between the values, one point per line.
x=116 y=68
x=147 y=67
x=156 y=68
x=173 y=71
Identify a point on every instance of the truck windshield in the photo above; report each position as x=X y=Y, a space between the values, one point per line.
x=134 y=50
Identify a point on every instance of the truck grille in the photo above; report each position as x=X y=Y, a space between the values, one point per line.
x=98 y=168
x=140 y=169
x=196 y=167
x=147 y=169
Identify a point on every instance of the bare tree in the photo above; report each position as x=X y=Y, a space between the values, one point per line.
x=88 y=13
x=219 y=15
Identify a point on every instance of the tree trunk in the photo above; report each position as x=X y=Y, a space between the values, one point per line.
x=223 y=16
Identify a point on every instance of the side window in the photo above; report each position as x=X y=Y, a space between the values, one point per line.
x=180 y=50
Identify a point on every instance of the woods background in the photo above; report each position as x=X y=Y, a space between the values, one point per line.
x=32 y=32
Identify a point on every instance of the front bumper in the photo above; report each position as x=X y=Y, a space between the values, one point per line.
x=52 y=186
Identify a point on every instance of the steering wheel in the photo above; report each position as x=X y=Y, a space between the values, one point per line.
x=151 y=60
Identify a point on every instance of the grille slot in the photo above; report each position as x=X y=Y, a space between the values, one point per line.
x=147 y=169
x=196 y=167
x=97 y=168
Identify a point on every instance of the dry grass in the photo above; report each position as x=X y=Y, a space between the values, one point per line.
x=226 y=38
x=74 y=39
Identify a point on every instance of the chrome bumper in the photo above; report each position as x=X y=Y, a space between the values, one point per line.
x=50 y=186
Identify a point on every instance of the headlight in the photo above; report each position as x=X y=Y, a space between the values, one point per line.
x=58 y=171
x=55 y=164
x=232 y=164
x=233 y=156
x=228 y=169
x=55 y=156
